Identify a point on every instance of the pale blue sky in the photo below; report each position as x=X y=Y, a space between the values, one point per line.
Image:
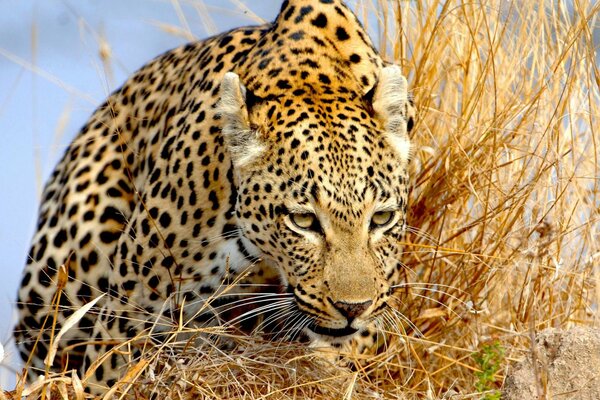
x=49 y=68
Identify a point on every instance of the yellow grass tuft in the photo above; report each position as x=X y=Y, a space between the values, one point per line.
x=504 y=213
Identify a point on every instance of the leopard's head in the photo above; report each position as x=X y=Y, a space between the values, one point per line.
x=322 y=184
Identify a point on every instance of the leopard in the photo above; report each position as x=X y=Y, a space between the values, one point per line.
x=271 y=158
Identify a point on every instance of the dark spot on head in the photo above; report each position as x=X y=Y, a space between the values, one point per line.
x=324 y=79
x=304 y=11
x=320 y=21
x=341 y=34
x=297 y=35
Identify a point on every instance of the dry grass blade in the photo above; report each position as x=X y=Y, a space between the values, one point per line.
x=46 y=76
x=67 y=325
x=77 y=386
x=132 y=374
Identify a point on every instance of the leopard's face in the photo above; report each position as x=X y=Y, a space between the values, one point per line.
x=323 y=199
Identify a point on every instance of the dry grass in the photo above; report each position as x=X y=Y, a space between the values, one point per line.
x=505 y=210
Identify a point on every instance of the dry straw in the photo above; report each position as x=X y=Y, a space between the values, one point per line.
x=504 y=217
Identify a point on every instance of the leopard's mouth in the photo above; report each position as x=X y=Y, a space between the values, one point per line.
x=333 y=332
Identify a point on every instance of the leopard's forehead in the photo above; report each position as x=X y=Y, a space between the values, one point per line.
x=316 y=46
x=333 y=153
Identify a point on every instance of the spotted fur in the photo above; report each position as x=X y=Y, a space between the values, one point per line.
x=271 y=154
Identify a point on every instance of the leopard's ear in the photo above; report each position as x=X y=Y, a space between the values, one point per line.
x=392 y=106
x=243 y=143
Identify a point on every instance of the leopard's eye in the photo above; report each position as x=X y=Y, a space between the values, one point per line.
x=306 y=221
x=382 y=218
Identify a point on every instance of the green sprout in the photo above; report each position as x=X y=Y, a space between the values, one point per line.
x=489 y=360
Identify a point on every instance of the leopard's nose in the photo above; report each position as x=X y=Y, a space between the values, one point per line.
x=352 y=310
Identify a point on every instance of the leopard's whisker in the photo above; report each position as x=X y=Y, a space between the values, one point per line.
x=295 y=317
x=258 y=311
x=437 y=302
x=421 y=233
x=406 y=267
x=433 y=289
x=248 y=298
x=299 y=327
x=402 y=318
x=411 y=284
x=442 y=292
x=275 y=317
x=220 y=310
